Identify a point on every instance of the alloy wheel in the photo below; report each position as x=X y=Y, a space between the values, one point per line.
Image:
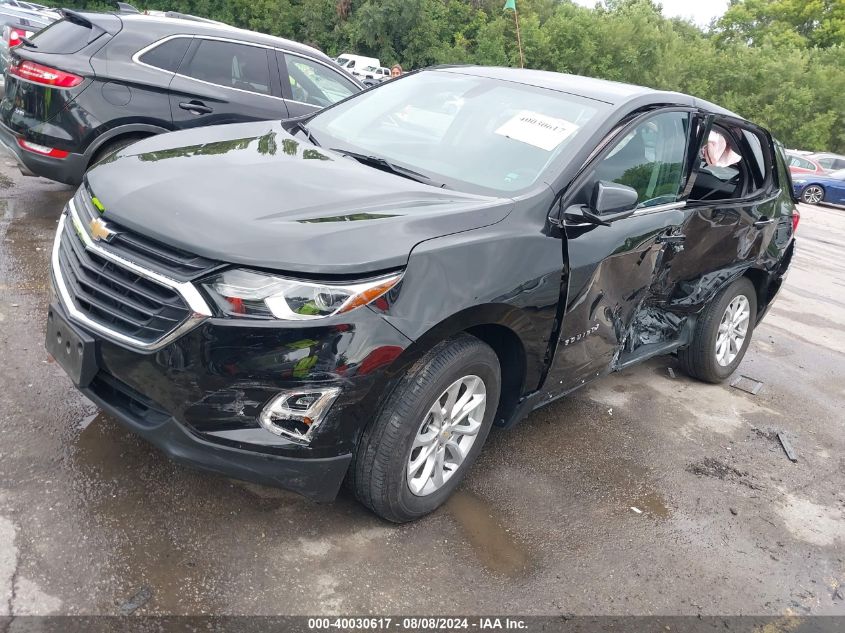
x=813 y=194
x=446 y=435
x=733 y=328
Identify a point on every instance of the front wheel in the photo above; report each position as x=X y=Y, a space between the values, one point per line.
x=429 y=431
x=722 y=333
x=812 y=194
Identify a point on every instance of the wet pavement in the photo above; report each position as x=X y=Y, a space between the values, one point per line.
x=641 y=494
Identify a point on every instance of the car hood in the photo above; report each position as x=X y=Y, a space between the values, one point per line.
x=252 y=194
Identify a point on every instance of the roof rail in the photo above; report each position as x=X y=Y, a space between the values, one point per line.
x=194 y=18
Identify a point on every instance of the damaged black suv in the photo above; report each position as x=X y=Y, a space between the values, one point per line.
x=362 y=294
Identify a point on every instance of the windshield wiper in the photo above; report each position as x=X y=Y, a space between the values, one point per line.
x=386 y=165
x=300 y=125
x=27 y=42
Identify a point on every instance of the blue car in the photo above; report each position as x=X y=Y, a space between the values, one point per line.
x=817 y=188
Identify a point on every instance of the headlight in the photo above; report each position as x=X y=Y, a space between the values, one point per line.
x=244 y=293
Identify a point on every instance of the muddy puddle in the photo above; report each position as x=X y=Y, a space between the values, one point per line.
x=492 y=543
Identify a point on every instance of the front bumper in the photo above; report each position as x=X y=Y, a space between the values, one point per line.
x=198 y=399
x=316 y=478
x=198 y=396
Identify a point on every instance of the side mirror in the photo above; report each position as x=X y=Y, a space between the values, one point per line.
x=609 y=202
x=612 y=198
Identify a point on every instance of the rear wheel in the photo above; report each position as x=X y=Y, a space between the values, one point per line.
x=722 y=333
x=429 y=431
x=812 y=194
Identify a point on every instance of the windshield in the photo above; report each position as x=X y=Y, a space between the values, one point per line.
x=481 y=132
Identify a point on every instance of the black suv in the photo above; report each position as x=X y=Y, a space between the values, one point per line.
x=94 y=82
x=364 y=294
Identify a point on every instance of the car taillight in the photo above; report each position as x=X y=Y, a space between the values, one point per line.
x=44 y=74
x=52 y=152
x=15 y=35
x=796 y=217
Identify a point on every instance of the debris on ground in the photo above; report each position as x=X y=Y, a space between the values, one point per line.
x=787 y=448
x=767 y=433
x=746 y=384
x=733 y=511
x=712 y=467
x=610 y=411
x=671 y=372
x=637 y=510
x=138 y=600
x=838 y=593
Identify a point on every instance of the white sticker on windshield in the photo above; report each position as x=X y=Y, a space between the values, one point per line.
x=537 y=129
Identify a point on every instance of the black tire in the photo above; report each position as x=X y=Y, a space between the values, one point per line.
x=111 y=147
x=378 y=475
x=811 y=194
x=699 y=358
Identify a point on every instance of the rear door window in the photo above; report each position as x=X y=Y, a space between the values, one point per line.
x=735 y=163
x=315 y=84
x=64 y=37
x=231 y=65
x=167 y=55
x=797 y=161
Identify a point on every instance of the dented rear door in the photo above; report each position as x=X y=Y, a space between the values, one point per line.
x=721 y=238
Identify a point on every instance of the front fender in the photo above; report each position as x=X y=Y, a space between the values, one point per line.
x=507 y=274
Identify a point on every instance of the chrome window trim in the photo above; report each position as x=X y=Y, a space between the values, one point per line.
x=136 y=59
x=199 y=308
x=669 y=206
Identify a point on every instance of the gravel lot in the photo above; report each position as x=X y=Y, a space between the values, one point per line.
x=95 y=521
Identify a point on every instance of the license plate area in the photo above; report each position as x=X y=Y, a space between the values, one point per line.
x=74 y=351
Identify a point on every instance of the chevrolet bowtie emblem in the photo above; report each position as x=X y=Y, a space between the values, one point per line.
x=99 y=230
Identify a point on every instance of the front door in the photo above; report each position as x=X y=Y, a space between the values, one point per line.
x=611 y=268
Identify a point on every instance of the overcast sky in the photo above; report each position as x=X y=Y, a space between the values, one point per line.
x=699 y=11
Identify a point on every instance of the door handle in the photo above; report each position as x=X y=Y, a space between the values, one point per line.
x=763 y=222
x=196 y=107
x=671 y=239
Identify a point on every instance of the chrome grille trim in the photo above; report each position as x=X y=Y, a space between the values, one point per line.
x=199 y=308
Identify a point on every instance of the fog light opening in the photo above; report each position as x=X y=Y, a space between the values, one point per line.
x=298 y=413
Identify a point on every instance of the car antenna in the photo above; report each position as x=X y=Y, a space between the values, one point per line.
x=125 y=7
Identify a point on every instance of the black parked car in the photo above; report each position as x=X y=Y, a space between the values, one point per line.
x=94 y=82
x=363 y=295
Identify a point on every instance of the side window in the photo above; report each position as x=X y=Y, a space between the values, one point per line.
x=231 y=65
x=650 y=159
x=721 y=174
x=167 y=55
x=827 y=163
x=734 y=163
x=796 y=161
x=315 y=84
x=839 y=163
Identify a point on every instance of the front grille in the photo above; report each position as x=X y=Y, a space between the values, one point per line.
x=161 y=258
x=115 y=297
